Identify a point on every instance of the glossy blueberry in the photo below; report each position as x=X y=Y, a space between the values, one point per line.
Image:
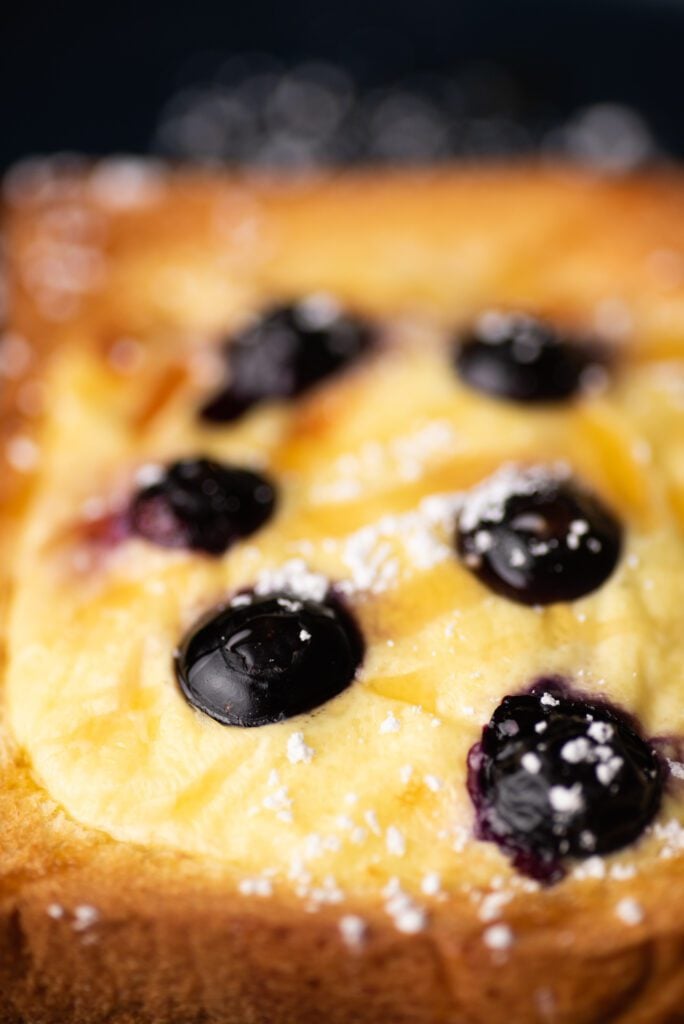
x=520 y=358
x=267 y=658
x=286 y=352
x=538 y=539
x=202 y=505
x=558 y=776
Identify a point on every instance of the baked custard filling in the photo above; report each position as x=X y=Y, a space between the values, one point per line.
x=268 y=623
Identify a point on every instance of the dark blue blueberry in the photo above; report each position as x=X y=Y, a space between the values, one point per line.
x=202 y=505
x=520 y=358
x=558 y=776
x=267 y=658
x=542 y=541
x=286 y=352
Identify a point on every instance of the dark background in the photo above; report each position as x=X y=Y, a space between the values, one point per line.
x=94 y=78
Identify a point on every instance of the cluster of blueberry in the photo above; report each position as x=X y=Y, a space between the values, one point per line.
x=555 y=774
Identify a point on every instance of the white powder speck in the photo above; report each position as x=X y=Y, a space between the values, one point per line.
x=566 y=799
x=483 y=541
x=433 y=783
x=353 y=930
x=390 y=724
x=629 y=911
x=371 y=819
x=408 y=916
x=405 y=773
x=328 y=892
x=258 y=886
x=409 y=919
x=671 y=835
x=531 y=763
x=297 y=750
x=148 y=474
x=461 y=837
x=293 y=577
x=517 y=558
x=576 y=750
x=592 y=867
x=84 y=917
x=431 y=884
x=548 y=700
x=498 y=936
x=621 y=872
x=279 y=800
x=55 y=911
x=607 y=771
x=600 y=731
x=396 y=844
x=492 y=905
x=313 y=846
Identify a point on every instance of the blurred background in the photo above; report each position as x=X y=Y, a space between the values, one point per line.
x=291 y=82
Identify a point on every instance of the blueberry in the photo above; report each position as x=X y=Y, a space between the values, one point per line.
x=285 y=353
x=537 y=538
x=520 y=358
x=558 y=776
x=202 y=505
x=266 y=658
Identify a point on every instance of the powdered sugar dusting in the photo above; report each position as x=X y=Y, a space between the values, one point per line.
x=85 y=916
x=371 y=554
x=488 y=500
x=396 y=843
x=353 y=931
x=258 y=886
x=295 y=578
x=498 y=937
x=629 y=911
x=297 y=750
x=408 y=916
x=390 y=724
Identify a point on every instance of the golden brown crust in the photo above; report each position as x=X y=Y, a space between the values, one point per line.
x=92 y=931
